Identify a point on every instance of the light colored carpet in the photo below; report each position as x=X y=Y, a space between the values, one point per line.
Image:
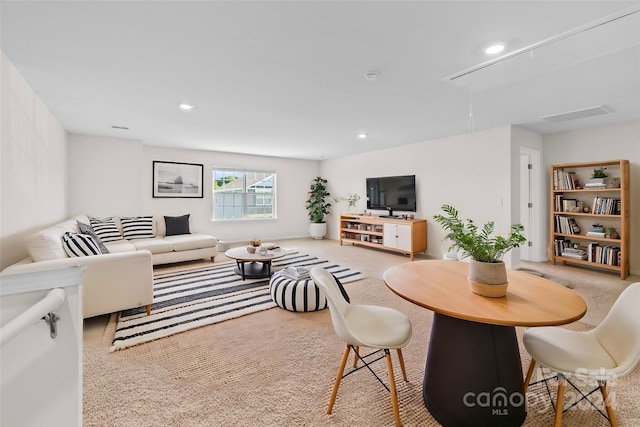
x=276 y=368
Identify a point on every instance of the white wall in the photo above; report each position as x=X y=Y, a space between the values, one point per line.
x=105 y=177
x=33 y=154
x=471 y=172
x=621 y=141
x=120 y=183
x=293 y=180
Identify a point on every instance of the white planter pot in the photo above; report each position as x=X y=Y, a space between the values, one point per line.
x=488 y=279
x=317 y=230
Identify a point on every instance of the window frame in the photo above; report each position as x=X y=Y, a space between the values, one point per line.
x=245 y=207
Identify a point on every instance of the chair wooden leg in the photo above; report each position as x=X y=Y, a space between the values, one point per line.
x=607 y=403
x=343 y=363
x=557 y=422
x=527 y=380
x=148 y=307
x=355 y=355
x=401 y=359
x=213 y=259
x=392 y=388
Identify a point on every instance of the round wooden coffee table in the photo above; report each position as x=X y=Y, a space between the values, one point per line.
x=253 y=266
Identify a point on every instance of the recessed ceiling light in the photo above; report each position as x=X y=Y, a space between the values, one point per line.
x=184 y=106
x=363 y=135
x=371 y=76
x=496 y=48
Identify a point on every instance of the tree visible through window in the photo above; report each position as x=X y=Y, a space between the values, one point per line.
x=240 y=194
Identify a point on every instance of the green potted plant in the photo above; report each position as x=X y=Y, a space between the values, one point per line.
x=599 y=173
x=485 y=249
x=318 y=207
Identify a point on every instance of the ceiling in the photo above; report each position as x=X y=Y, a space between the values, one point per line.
x=287 y=78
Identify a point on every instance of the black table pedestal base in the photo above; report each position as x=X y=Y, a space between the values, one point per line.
x=473 y=375
x=253 y=270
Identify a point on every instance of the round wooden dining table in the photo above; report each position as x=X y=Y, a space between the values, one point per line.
x=473 y=373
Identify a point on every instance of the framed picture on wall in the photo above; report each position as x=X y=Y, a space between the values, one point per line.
x=173 y=179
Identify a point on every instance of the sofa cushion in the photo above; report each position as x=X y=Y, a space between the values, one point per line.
x=106 y=229
x=47 y=244
x=186 y=242
x=77 y=245
x=119 y=246
x=176 y=225
x=157 y=245
x=86 y=229
x=138 y=227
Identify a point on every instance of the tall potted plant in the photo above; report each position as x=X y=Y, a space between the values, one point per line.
x=318 y=207
x=486 y=251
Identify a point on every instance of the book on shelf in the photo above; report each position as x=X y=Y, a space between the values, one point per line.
x=565 y=180
x=603 y=254
x=595 y=234
x=573 y=252
x=566 y=225
x=295 y=273
x=606 y=206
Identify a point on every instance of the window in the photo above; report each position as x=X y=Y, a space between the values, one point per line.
x=240 y=194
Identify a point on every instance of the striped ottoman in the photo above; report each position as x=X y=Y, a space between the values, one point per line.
x=296 y=295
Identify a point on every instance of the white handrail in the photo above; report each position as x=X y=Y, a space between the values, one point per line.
x=53 y=300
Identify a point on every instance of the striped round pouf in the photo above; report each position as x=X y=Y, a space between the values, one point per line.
x=296 y=295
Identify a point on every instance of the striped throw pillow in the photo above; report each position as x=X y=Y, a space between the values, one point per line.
x=137 y=227
x=77 y=245
x=105 y=228
x=86 y=229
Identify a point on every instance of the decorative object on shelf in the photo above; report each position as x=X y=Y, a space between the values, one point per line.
x=352 y=199
x=597 y=179
x=318 y=207
x=486 y=251
x=613 y=233
x=615 y=182
x=599 y=173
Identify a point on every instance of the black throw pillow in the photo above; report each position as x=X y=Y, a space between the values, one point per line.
x=177 y=225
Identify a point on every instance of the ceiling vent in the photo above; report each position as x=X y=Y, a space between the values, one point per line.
x=577 y=114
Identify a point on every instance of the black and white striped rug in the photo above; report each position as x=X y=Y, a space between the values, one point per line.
x=203 y=295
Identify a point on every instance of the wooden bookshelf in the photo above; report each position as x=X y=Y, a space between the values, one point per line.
x=577 y=203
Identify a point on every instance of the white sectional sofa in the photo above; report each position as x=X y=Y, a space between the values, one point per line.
x=122 y=278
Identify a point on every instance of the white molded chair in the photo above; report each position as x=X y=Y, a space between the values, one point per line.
x=610 y=350
x=375 y=327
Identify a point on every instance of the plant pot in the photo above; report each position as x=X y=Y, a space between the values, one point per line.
x=488 y=279
x=317 y=230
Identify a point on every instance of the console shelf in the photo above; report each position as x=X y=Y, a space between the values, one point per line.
x=407 y=236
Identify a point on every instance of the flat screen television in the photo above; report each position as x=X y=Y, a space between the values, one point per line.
x=392 y=193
